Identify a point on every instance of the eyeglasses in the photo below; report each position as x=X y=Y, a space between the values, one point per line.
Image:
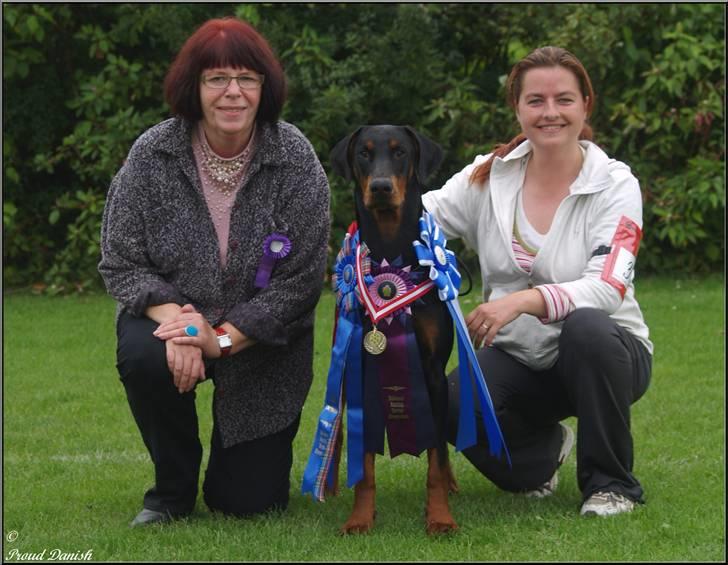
x=245 y=82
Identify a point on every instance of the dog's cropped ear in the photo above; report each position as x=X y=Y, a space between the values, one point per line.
x=430 y=155
x=340 y=156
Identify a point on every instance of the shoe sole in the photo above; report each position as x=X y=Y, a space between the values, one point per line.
x=567 y=443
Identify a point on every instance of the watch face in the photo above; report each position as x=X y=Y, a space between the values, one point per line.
x=224 y=341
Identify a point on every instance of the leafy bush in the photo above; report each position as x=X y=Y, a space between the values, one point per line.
x=81 y=82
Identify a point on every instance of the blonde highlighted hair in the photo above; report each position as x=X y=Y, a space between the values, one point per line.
x=539 y=58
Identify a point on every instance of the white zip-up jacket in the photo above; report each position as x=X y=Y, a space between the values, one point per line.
x=579 y=252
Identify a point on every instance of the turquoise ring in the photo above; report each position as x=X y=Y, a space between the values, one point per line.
x=191 y=331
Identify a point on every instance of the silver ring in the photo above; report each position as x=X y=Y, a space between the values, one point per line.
x=485 y=326
x=191 y=331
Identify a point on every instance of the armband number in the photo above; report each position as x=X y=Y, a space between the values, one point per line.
x=619 y=266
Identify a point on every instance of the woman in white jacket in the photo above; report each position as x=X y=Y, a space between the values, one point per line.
x=556 y=225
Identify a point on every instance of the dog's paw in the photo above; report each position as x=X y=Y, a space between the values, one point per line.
x=443 y=525
x=357 y=525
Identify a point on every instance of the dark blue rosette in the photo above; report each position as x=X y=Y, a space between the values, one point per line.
x=343 y=279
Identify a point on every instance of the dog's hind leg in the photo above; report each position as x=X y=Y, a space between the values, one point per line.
x=361 y=519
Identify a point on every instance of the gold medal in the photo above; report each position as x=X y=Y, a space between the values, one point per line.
x=375 y=342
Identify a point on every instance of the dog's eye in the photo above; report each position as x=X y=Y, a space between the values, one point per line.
x=399 y=153
x=364 y=153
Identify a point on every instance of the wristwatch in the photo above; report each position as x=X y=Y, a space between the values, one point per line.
x=224 y=341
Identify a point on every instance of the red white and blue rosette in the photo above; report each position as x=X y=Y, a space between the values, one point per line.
x=390 y=282
x=432 y=252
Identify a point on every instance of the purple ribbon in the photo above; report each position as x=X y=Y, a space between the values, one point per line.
x=276 y=246
x=394 y=383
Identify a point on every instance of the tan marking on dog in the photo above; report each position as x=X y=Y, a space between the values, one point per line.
x=362 y=515
x=399 y=191
x=388 y=222
x=364 y=183
x=439 y=520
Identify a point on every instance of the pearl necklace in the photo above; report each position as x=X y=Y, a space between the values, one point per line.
x=224 y=174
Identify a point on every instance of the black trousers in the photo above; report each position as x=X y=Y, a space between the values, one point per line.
x=245 y=479
x=601 y=371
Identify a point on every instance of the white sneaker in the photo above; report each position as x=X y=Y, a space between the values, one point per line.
x=606 y=504
x=549 y=487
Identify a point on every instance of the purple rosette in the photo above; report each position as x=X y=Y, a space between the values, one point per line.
x=276 y=246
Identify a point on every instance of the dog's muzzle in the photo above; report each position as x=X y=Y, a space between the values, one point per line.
x=381 y=193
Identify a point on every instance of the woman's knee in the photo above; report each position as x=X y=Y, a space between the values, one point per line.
x=587 y=330
x=139 y=354
x=593 y=355
x=585 y=325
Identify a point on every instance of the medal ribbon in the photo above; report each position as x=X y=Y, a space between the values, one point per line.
x=395 y=376
x=392 y=306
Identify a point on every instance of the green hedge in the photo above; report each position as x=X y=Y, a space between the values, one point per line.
x=82 y=81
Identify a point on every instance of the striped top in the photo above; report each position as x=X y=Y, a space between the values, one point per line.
x=526 y=242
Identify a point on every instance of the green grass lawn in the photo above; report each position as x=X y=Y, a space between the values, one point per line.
x=75 y=468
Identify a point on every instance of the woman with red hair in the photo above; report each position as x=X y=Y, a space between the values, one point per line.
x=214 y=243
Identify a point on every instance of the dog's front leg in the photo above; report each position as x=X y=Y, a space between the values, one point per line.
x=361 y=519
x=438 y=516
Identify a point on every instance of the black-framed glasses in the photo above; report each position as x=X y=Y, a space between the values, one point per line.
x=248 y=81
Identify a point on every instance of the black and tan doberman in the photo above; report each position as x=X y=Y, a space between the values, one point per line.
x=389 y=165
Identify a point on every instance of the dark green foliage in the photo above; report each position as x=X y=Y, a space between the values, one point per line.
x=82 y=81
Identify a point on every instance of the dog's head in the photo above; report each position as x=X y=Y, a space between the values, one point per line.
x=386 y=162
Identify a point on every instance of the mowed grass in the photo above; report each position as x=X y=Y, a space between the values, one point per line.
x=75 y=469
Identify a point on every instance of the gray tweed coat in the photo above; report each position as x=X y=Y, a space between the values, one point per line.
x=159 y=245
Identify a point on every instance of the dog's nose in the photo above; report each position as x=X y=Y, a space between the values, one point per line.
x=382 y=187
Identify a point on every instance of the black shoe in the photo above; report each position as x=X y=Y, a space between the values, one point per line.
x=147 y=517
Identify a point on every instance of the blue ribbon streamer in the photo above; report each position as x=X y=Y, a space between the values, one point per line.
x=470 y=370
x=345 y=374
x=322 y=451
x=433 y=253
x=355 y=406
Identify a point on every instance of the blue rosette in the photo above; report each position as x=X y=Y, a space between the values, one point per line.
x=433 y=252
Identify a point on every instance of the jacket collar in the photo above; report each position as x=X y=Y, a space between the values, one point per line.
x=507 y=176
x=594 y=175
